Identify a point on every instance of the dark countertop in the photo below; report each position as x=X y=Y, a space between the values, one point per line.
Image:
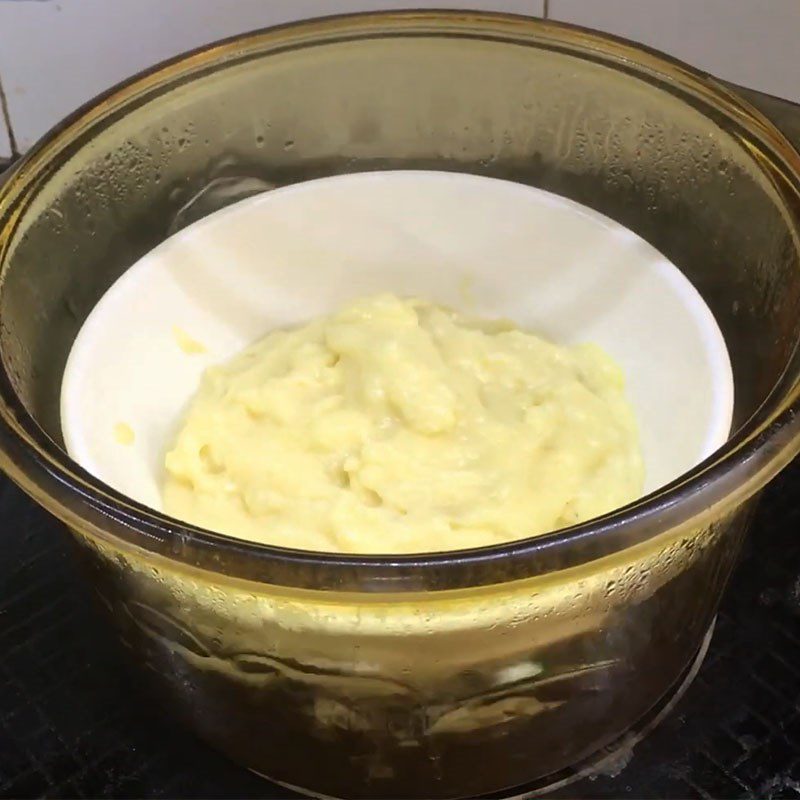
x=74 y=722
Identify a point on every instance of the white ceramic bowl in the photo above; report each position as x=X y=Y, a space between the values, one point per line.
x=485 y=246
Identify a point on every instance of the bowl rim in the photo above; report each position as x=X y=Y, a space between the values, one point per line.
x=760 y=448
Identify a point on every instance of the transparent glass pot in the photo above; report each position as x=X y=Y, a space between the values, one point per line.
x=438 y=675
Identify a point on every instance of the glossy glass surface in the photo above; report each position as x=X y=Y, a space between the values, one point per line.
x=440 y=675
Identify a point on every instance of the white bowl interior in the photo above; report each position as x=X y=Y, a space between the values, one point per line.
x=488 y=247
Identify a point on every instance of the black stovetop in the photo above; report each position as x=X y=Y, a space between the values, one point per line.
x=75 y=723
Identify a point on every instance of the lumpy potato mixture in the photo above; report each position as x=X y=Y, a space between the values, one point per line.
x=398 y=426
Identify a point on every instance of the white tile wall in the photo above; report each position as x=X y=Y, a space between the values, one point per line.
x=755 y=43
x=5 y=143
x=57 y=54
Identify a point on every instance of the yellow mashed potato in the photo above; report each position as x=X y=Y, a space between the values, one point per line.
x=397 y=426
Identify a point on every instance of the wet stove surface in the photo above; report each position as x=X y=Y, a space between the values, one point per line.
x=74 y=722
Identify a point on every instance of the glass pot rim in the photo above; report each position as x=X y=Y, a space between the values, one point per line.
x=761 y=447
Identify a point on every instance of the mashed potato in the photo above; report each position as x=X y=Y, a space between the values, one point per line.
x=397 y=426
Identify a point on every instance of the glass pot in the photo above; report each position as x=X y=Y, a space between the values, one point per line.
x=438 y=675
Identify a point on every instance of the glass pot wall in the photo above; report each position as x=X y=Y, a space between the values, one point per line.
x=439 y=675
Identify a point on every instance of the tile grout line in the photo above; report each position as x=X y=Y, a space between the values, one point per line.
x=6 y=117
